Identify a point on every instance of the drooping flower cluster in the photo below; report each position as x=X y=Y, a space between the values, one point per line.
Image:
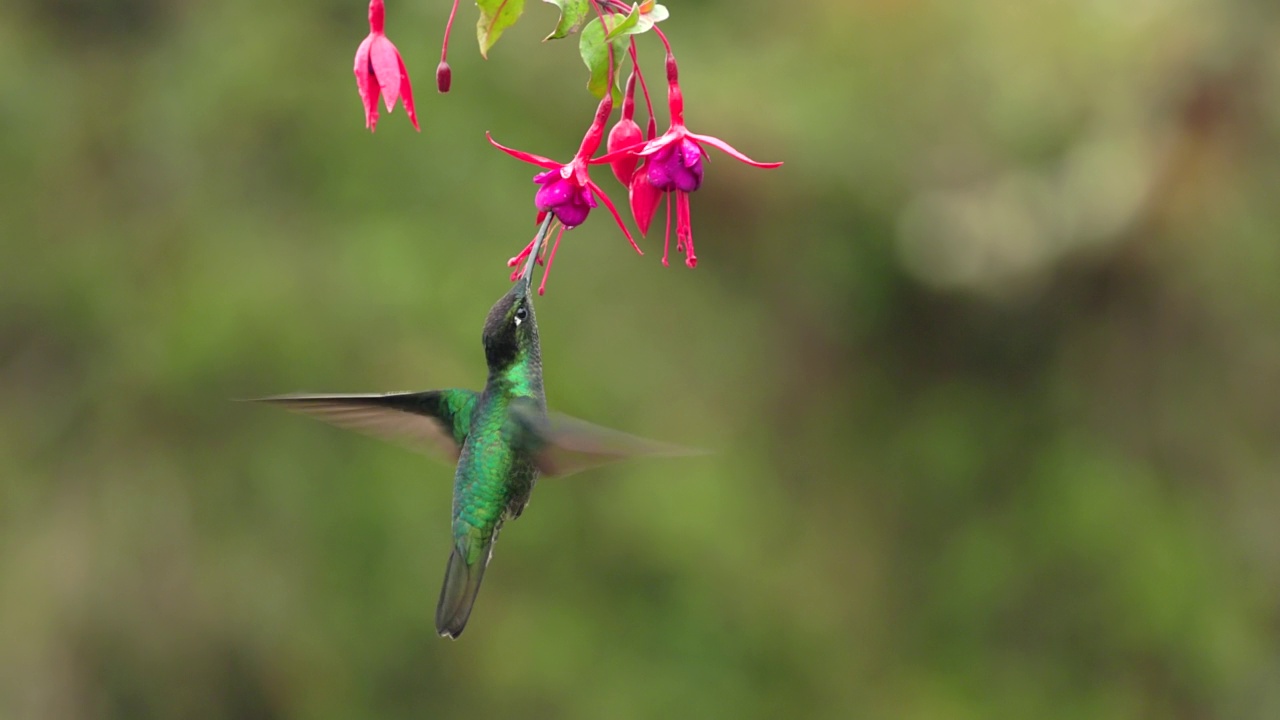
x=672 y=166
x=567 y=191
x=667 y=167
x=654 y=168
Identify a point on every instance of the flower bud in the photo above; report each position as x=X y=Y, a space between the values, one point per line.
x=444 y=76
x=624 y=134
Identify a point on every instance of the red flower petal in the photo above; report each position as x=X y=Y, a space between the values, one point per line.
x=406 y=94
x=526 y=157
x=367 y=84
x=362 y=55
x=386 y=66
x=644 y=200
x=728 y=149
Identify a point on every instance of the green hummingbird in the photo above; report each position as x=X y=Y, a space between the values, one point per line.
x=502 y=439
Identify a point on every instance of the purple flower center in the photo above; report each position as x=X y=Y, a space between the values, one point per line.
x=678 y=166
x=560 y=196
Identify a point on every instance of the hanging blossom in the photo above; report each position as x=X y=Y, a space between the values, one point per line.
x=672 y=166
x=566 y=191
x=380 y=71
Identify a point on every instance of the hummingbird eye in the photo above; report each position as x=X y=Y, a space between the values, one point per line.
x=522 y=313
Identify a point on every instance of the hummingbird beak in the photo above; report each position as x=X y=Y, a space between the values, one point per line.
x=526 y=280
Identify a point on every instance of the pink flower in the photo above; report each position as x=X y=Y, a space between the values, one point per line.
x=380 y=71
x=672 y=165
x=567 y=190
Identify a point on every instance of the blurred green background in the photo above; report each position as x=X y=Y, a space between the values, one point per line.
x=991 y=366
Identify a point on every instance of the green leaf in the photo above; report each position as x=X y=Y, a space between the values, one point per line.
x=572 y=13
x=627 y=26
x=495 y=16
x=595 y=53
x=639 y=21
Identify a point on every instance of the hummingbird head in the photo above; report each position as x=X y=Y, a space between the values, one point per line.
x=511 y=331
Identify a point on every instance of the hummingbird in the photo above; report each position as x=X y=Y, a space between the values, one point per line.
x=502 y=439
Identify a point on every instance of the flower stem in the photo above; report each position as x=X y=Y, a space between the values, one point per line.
x=635 y=64
x=448 y=28
x=663 y=37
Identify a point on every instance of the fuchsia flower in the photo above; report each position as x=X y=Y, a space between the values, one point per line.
x=672 y=165
x=380 y=71
x=567 y=191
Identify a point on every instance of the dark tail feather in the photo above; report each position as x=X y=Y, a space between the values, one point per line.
x=461 y=583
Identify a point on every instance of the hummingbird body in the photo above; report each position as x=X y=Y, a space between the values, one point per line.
x=502 y=439
x=496 y=469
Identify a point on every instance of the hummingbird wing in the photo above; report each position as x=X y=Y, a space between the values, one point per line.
x=436 y=419
x=564 y=445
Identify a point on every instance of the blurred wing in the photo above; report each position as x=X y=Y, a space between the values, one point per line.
x=563 y=445
x=437 y=420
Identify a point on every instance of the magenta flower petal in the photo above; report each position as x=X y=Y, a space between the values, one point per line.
x=677 y=166
x=570 y=202
x=690 y=153
x=572 y=214
x=554 y=193
x=658 y=172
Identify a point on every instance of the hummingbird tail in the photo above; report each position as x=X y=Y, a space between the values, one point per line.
x=461 y=584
